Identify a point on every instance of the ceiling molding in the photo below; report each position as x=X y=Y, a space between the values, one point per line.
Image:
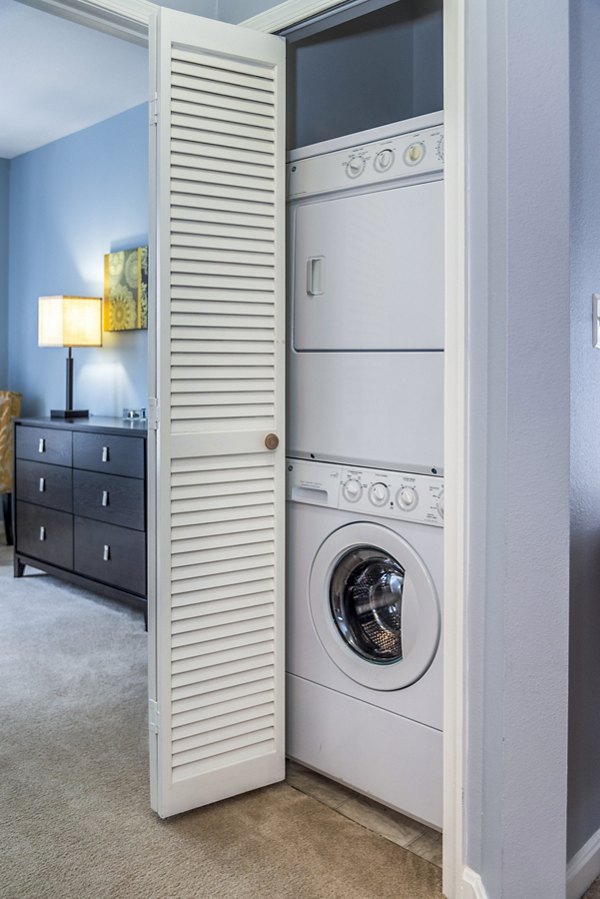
x=288 y=13
x=128 y=19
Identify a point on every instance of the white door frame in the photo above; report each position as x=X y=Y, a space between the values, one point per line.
x=456 y=425
x=133 y=20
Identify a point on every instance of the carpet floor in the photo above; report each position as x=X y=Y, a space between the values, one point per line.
x=75 y=820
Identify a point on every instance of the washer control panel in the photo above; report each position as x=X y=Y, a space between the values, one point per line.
x=368 y=491
x=407 y=155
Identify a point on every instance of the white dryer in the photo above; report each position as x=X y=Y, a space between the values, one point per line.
x=367 y=298
x=364 y=667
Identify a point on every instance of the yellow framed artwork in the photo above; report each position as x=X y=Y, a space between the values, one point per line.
x=126 y=290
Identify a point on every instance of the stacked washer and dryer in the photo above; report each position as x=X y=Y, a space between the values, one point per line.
x=365 y=484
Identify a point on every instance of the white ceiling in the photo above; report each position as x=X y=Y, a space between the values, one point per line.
x=57 y=77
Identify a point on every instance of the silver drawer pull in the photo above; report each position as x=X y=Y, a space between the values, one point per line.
x=42 y=484
x=106 y=553
x=42 y=533
x=105 y=454
x=105 y=497
x=42 y=445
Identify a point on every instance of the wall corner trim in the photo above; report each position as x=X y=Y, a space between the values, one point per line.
x=584 y=867
x=472 y=885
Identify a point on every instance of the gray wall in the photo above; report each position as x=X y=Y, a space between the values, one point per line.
x=584 y=707
x=238 y=10
x=4 y=174
x=519 y=439
x=206 y=8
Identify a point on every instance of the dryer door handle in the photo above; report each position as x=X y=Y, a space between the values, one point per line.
x=315 y=276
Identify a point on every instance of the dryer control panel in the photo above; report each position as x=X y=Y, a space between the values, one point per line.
x=403 y=156
x=401 y=496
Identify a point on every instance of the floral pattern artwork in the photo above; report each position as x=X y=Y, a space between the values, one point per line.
x=126 y=290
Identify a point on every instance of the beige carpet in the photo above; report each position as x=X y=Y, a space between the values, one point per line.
x=74 y=812
x=594 y=891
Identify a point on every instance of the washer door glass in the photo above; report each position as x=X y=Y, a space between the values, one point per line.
x=374 y=605
x=366 y=603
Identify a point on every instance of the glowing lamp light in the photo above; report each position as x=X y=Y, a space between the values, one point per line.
x=69 y=322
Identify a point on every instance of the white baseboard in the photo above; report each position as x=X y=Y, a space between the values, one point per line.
x=584 y=867
x=472 y=886
x=582 y=870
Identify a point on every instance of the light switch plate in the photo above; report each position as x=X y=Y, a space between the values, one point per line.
x=596 y=320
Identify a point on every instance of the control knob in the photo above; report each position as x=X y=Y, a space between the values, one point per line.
x=384 y=160
x=407 y=498
x=414 y=153
x=379 y=494
x=352 y=490
x=355 y=166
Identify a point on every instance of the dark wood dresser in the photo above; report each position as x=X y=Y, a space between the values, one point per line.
x=80 y=502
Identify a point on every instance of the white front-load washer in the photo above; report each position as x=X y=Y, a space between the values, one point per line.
x=366 y=294
x=364 y=619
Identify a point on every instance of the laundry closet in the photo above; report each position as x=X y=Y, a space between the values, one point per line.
x=365 y=401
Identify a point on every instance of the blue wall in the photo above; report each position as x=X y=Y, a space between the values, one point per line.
x=71 y=202
x=4 y=170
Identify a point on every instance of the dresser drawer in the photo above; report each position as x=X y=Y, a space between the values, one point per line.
x=111 y=498
x=111 y=554
x=44 y=445
x=47 y=485
x=45 y=534
x=110 y=454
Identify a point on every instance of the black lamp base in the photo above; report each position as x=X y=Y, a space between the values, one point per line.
x=69 y=413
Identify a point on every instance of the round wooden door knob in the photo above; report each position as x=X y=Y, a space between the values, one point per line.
x=271 y=441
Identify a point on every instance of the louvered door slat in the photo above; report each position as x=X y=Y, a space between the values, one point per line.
x=191 y=666
x=252 y=701
x=186 y=170
x=222 y=373
x=239 y=684
x=235 y=138
x=220 y=368
x=212 y=685
x=194 y=103
x=228 y=222
x=232 y=593
x=182 y=619
x=185 y=89
x=205 y=226
x=215 y=310
x=258 y=193
x=187 y=76
x=220 y=158
x=224 y=70
x=221 y=386
x=222 y=534
x=202 y=242
x=234 y=749
x=218 y=470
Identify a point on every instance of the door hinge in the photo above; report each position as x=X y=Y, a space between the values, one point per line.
x=153 y=716
x=153 y=413
x=153 y=111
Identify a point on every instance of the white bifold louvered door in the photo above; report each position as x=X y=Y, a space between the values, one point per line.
x=219 y=501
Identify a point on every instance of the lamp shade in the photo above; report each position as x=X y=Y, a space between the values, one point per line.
x=70 y=321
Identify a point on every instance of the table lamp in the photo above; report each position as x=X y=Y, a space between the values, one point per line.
x=69 y=322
